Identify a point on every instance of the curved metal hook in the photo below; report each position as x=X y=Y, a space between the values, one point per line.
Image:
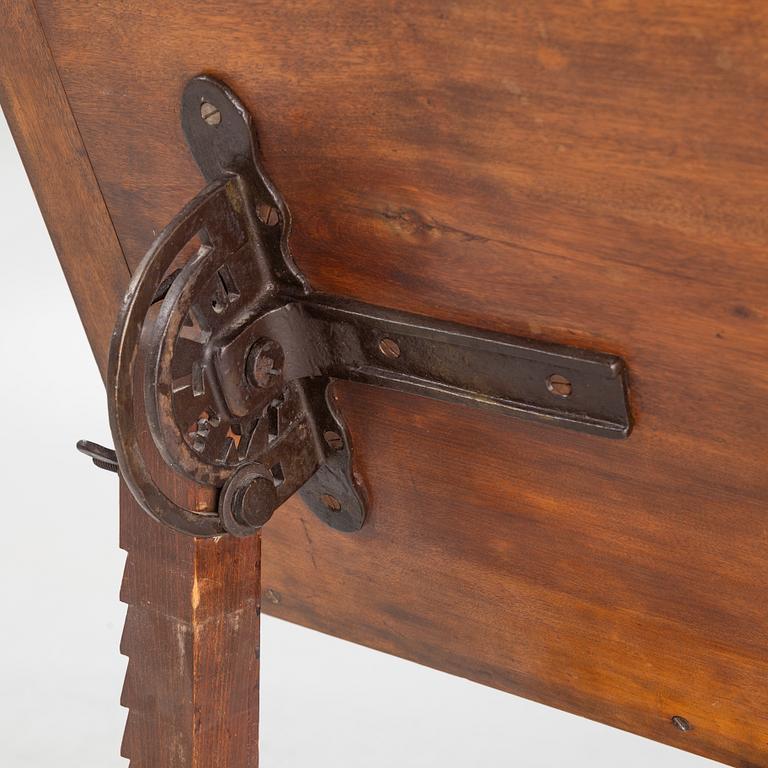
x=247 y=251
x=123 y=356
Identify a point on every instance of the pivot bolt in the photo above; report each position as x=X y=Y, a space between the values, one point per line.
x=264 y=363
x=247 y=499
x=253 y=504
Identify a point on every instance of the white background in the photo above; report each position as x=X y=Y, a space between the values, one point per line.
x=325 y=702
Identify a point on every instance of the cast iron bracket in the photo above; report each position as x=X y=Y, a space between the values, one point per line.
x=225 y=352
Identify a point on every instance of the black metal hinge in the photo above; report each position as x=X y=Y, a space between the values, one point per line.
x=237 y=353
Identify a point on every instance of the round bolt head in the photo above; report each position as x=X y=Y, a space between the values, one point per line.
x=253 y=504
x=264 y=363
x=247 y=499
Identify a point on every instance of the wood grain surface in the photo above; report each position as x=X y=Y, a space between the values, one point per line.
x=192 y=640
x=588 y=173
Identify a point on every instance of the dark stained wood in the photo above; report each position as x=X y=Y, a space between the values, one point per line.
x=590 y=173
x=192 y=638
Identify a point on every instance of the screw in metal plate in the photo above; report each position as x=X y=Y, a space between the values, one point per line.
x=559 y=385
x=210 y=113
x=389 y=348
x=681 y=724
x=267 y=214
x=334 y=440
x=331 y=503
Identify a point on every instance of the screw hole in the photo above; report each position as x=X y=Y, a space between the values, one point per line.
x=210 y=113
x=332 y=504
x=334 y=440
x=559 y=385
x=273 y=596
x=278 y=476
x=389 y=348
x=267 y=214
x=218 y=305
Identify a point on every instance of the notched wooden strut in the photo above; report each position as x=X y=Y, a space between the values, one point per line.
x=238 y=353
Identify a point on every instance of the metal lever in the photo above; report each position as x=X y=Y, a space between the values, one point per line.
x=104 y=458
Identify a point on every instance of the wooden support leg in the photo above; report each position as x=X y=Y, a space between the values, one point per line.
x=192 y=639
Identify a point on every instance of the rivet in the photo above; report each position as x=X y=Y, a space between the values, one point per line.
x=681 y=724
x=209 y=113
